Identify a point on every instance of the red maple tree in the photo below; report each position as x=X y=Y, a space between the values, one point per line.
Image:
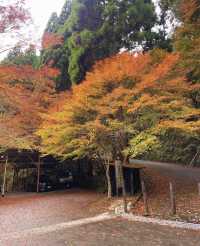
x=12 y=15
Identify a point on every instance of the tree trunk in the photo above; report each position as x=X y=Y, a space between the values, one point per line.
x=4 y=178
x=144 y=193
x=124 y=198
x=109 y=186
x=14 y=177
x=199 y=188
x=38 y=175
x=121 y=182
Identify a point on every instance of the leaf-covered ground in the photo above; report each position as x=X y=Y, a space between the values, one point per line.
x=187 y=198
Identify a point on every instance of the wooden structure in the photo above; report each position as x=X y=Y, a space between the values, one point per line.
x=26 y=163
x=131 y=176
x=173 y=170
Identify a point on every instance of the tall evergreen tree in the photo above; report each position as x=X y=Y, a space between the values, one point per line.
x=95 y=29
x=52 y=23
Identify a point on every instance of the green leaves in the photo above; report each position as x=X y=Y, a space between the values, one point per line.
x=95 y=29
x=143 y=144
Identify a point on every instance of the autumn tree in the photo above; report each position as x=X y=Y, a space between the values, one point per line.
x=129 y=105
x=25 y=93
x=187 y=38
x=13 y=14
x=51 y=40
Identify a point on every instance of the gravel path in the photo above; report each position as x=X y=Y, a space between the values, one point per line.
x=64 y=218
x=28 y=211
x=114 y=232
x=173 y=224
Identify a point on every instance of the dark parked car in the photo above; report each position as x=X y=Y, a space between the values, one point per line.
x=65 y=180
x=50 y=181
x=45 y=184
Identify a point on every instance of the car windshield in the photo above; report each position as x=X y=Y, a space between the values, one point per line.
x=44 y=179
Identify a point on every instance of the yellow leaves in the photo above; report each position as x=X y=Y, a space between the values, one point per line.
x=125 y=94
x=186 y=127
x=152 y=79
x=178 y=85
x=144 y=100
x=111 y=102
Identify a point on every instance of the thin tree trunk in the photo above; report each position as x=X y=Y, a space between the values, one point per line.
x=199 y=188
x=17 y=180
x=38 y=175
x=144 y=193
x=14 y=177
x=124 y=187
x=124 y=199
x=109 y=186
x=194 y=158
x=4 y=177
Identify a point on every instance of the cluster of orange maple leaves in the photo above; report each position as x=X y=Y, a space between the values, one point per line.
x=24 y=93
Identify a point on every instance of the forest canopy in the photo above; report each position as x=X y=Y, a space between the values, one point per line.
x=120 y=101
x=136 y=105
x=93 y=30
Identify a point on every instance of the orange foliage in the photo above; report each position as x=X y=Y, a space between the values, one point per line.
x=102 y=80
x=158 y=72
x=115 y=81
x=24 y=94
x=50 y=40
x=124 y=93
x=190 y=8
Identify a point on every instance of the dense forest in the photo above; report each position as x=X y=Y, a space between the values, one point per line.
x=113 y=78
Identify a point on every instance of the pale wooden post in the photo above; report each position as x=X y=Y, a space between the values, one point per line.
x=38 y=175
x=124 y=199
x=120 y=182
x=199 y=188
x=124 y=190
x=144 y=194
x=4 y=177
x=172 y=198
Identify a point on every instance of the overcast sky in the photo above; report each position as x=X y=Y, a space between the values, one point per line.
x=40 y=11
